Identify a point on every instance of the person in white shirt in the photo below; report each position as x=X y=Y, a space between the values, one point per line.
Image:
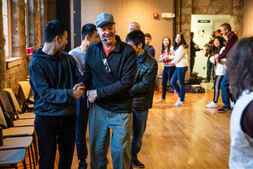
x=240 y=75
x=89 y=37
x=220 y=69
x=180 y=62
x=165 y=57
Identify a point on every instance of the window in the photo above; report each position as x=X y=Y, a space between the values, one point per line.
x=6 y=26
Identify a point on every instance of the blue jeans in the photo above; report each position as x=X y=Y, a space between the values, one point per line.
x=225 y=93
x=179 y=75
x=167 y=74
x=100 y=123
x=139 y=126
x=81 y=128
x=52 y=131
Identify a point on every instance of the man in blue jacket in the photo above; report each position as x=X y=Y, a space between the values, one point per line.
x=142 y=92
x=110 y=68
x=54 y=80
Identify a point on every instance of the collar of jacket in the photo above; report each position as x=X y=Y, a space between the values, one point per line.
x=118 y=48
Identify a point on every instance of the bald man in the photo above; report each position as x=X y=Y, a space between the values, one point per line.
x=134 y=26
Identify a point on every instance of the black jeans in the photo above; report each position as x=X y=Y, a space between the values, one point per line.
x=81 y=128
x=210 y=69
x=217 y=87
x=52 y=131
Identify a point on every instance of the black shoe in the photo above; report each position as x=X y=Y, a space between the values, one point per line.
x=82 y=165
x=137 y=164
x=224 y=109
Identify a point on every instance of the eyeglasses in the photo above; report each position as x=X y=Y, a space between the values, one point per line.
x=107 y=67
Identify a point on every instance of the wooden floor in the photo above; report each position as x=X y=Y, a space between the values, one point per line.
x=188 y=137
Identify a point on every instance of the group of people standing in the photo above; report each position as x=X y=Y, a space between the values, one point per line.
x=175 y=67
x=106 y=83
x=218 y=56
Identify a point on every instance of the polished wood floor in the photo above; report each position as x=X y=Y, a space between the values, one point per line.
x=187 y=137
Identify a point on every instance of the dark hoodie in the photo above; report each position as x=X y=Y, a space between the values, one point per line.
x=52 y=80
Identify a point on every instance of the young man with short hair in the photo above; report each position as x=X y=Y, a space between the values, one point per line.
x=142 y=92
x=89 y=36
x=148 y=47
x=55 y=79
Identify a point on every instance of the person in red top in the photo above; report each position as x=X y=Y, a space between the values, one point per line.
x=231 y=40
x=169 y=69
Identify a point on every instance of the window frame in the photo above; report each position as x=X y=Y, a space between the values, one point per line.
x=9 y=17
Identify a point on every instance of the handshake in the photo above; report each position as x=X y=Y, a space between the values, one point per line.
x=80 y=88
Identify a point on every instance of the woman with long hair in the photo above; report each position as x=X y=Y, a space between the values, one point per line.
x=168 y=68
x=220 y=69
x=240 y=75
x=179 y=60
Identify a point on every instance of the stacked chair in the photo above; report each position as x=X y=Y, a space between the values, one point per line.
x=17 y=121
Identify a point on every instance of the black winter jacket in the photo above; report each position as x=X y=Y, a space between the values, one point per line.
x=143 y=88
x=112 y=77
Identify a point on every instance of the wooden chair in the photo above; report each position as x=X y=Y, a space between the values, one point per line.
x=13 y=143
x=11 y=158
x=22 y=128
x=25 y=95
x=8 y=108
x=18 y=132
x=16 y=105
x=2 y=119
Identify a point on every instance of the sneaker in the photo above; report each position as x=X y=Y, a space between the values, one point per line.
x=224 y=109
x=137 y=164
x=178 y=103
x=212 y=105
x=160 y=101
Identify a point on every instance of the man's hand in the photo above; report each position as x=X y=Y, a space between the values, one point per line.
x=78 y=90
x=92 y=95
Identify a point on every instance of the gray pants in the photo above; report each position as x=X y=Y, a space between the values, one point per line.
x=100 y=123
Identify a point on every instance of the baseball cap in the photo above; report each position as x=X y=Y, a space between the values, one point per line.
x=103 y=19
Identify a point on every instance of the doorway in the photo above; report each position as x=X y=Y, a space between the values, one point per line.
x=203 y=26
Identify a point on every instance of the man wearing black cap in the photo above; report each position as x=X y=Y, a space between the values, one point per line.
x=110 y=68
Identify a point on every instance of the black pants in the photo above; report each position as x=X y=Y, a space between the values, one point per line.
x=210 y=69
x=217 y=86
x=81 y=127
x=52 y=131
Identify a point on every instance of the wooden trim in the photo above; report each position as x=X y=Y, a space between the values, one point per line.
x=13 y=62
x=37 y=24
x=27 y=23
x=9 y=29
x=2 y=55
x=21 y=35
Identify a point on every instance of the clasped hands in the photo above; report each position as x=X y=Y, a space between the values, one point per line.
x=79 y=89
